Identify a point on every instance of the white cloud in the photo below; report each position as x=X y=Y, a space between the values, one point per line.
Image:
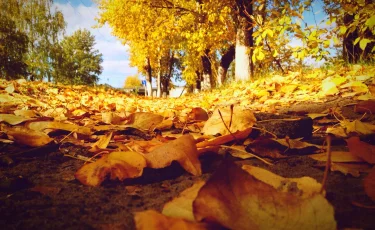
x=115 y=57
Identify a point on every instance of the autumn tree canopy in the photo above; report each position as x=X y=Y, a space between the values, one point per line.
x=206 y=36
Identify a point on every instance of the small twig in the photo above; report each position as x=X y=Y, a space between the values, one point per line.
x=328 y=164
x=253 y=155
x=222 y=119
x=231 y=115
x=99 y=153
x=66 y=137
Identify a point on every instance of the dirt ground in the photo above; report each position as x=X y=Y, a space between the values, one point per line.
x=38 y=190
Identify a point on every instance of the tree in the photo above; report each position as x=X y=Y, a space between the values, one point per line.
x=13 y=47
x=355 y=22
x=42 y=28
x=80 y=61
x=132 y=81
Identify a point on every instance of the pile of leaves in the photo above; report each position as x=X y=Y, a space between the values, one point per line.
x=162 y=131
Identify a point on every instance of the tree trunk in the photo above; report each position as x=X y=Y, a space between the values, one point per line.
x=158 y=81
x=149 y=78
x=244 y=42
x=198 y=82
x=207 y=81
x=225 y=61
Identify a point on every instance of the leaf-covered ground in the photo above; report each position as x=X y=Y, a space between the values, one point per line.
x=251 y=155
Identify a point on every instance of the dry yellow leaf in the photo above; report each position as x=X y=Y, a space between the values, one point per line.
x=152 y=220
x=28 y=137
x=182 y=150
x=237 y=200
x=236 y=119
x=182 y=206
x=119 y=165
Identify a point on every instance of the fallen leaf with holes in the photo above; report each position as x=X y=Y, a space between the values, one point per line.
x=46 y=126
x=182 y=150
x=143 y=120
x=120 y=165
x=350 y=168
x=28 y=137
x=361 y=149
x=102 y=143
x=182 y=206
x=337 y=156
x=303 y=187
x=14 y=119
x=153 y=220
x=369 y=184
x=238 y=119
x=237 y=200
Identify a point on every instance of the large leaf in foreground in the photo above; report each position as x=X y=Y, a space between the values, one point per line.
x=237 y=200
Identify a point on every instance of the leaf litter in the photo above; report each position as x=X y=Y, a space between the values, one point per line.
x=108 y=140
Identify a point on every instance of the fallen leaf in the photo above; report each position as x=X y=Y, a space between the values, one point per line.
x=316 y=115
x=182 y=150
x=237 y=200
x=25 y=113
x=46 y=125
x=182 y=206
x=361 y=149
x=239 y=135
x=13 y=119
x=238 y=119
x=28 y=137
x=337 y=156
x=102 y=143
x=146 y=121
x=198 y=114
x=348 y=168
x=369 y=184
x=153 y=220
x=303 y=187
x=119 y=165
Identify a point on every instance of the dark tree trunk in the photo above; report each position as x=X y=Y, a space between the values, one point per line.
x=149 y=78
x=225 y=61
x=198 y=81
x=207 y=72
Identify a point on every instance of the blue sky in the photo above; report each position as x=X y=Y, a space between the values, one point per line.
x=80 y=14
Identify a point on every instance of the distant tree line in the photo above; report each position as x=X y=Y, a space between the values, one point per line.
x=33 y=45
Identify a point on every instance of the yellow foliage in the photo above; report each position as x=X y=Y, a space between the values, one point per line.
x=132 y=81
